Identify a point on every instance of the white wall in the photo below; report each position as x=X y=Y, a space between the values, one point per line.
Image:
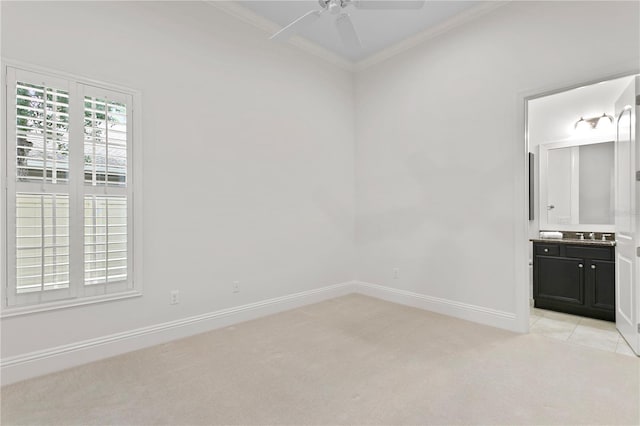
x=439 y=143
x=248 y=158
x=261 y=142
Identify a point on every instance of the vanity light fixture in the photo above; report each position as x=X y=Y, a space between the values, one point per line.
x=604 y=122
x=600 y=122
x=583 y=125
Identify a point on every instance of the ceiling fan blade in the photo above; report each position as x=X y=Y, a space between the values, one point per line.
x=348 y=32
x=388 y=4
x=297 y=25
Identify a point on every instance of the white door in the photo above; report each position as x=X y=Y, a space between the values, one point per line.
x=626 y=216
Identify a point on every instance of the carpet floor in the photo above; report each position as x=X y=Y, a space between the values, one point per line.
x=350 y=360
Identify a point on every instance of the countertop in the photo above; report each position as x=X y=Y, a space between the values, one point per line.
x=585 y=242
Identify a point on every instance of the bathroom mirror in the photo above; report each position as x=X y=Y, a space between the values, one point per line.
x=576 y=186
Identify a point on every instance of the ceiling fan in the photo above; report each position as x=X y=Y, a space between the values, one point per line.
x=344 y=25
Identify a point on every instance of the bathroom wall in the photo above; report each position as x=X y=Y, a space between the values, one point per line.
x=552 y=119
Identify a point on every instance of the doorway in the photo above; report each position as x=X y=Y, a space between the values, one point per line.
x=571 y=176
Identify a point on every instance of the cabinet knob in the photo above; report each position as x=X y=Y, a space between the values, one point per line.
x=593 y=266
x=546 y=250
x=580 y=265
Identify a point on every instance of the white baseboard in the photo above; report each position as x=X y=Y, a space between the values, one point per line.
x=479 y=314
x=33 y=364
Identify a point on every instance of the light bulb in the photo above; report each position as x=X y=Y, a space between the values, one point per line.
x=582 y=126
x=604 y=123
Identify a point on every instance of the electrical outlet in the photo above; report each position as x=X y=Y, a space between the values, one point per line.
x=175 y=297
x=396 y=273
x=236 y=287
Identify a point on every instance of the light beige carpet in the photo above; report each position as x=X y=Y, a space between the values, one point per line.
x=351 y=360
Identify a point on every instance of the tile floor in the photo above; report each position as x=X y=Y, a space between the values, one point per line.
x=578 y=330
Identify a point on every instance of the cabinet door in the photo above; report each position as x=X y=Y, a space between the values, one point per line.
x=602 y=283
x=560 y=279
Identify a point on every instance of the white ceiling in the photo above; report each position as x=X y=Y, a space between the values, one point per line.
x=378 y=29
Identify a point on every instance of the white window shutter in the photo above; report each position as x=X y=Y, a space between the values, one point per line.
x=69 y=219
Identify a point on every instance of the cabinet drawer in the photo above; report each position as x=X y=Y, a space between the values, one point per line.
x=602 y=253
x=548 y=249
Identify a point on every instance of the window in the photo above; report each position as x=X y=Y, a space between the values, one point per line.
x=69 y=199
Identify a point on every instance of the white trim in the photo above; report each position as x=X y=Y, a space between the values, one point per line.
x=29 y=365
x=33 y=364
x=466 y=311
x=246 y=15
x=136 y=194
x=431 y=33
x=4 y=276
x=52 y=73
x=134 y=187
x=571 y=142
x=67 y=303
x=543 y=189
x=521 y=179
x=575 y=188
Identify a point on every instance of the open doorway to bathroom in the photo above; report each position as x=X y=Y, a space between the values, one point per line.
x=571 y=138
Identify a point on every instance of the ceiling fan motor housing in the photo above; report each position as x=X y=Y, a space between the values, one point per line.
x=345 y=27
x=333 y=6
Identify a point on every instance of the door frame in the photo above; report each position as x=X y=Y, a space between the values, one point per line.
x=521 y=188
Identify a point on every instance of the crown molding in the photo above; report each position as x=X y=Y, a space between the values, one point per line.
x=431 y=33
x=246 y=15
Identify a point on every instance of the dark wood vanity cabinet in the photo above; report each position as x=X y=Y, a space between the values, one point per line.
x=575 y=279
x=603 y=285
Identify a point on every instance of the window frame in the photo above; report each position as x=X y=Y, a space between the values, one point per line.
x=79 y=87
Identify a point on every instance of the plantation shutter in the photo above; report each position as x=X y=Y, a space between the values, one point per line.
x=107 y=212
x=69 y=209
x=38 y=202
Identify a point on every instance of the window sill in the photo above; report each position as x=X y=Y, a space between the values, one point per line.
x=63 y=304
